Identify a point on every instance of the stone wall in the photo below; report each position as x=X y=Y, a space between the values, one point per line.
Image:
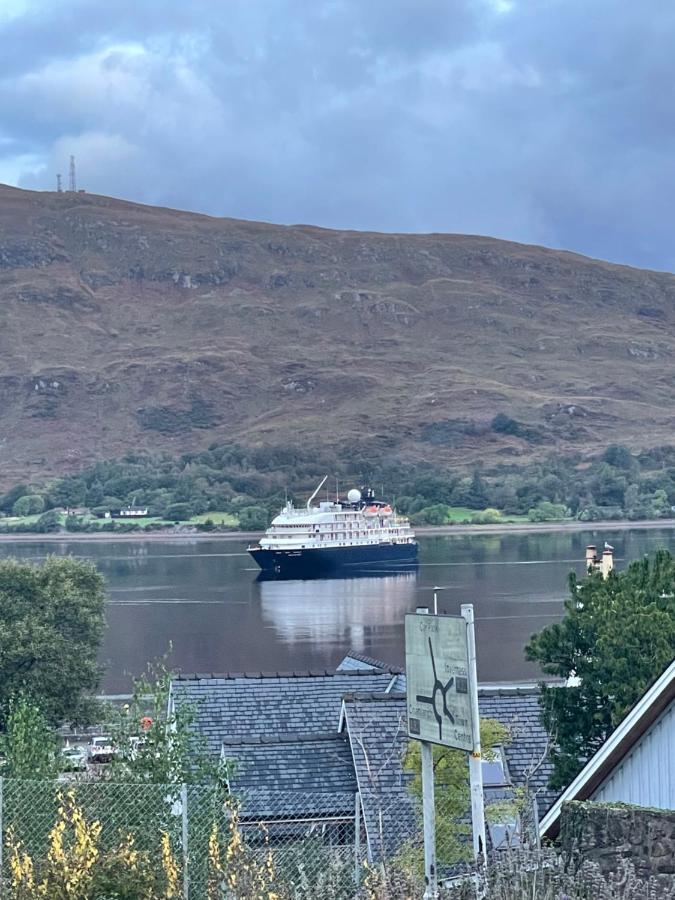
x=604 y=834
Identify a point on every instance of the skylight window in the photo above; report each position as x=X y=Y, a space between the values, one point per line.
x=494 y=772
x=501 y=808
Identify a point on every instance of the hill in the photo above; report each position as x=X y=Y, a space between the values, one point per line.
x=124 y=327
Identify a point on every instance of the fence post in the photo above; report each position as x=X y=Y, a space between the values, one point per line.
x=184 y=813
x=357 y=839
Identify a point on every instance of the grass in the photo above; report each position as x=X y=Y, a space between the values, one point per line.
x=23 y=520
x=218 y=518
x=464 y=514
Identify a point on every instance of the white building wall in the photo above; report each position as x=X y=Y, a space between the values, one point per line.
x=646 y=777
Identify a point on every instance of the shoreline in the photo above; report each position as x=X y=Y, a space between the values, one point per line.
x=505 y=528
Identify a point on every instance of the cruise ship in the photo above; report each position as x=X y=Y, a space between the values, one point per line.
x=334 y=536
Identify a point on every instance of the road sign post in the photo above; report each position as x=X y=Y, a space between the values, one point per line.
x=429 y=820
x=475 y=759
x=442 y=701
x=439 y=707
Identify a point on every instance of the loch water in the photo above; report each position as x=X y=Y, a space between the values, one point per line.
x=202 y=598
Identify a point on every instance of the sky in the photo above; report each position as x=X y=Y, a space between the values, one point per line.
x=543 y=121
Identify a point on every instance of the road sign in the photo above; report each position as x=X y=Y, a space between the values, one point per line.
x=437 y=667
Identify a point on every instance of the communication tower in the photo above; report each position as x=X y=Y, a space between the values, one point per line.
x=59 y=189
x=72 y=187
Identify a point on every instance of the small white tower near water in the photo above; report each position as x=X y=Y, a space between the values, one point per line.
x=604 y=563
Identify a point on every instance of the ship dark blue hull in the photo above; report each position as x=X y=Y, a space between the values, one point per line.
x=311 y=562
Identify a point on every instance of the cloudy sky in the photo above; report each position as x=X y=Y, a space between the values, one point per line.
x=545 y=121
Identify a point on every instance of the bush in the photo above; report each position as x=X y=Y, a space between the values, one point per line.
x=438 y=514
x=48 y=522
x=547 y=512
x=77 y=523
x=253 y=518
x=28 y=505
x=488 y=516
x=179 y=512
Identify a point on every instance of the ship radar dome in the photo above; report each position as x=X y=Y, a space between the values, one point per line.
x=354 y=496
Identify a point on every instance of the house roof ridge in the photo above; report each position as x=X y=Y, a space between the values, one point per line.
x=286 y=737
x=368 y=660
x=373 y=696
x=298 y=673
x=516 y=688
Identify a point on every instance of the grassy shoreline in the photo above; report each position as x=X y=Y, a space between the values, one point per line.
x=501 y=528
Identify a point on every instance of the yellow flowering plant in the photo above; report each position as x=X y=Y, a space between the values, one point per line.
x=239 y=872
x=76 y=867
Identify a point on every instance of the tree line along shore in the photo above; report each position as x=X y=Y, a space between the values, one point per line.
x=231 y=488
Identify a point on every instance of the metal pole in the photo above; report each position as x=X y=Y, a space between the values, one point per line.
x=475 y=768
x=357 y=839
x=184 y=809
x=429 y=814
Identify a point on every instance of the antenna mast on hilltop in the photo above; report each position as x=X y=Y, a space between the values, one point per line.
x=59 y=189
x=72 y=187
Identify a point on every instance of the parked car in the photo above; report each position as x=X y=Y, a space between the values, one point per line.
x=73 y=759
x=101 y=749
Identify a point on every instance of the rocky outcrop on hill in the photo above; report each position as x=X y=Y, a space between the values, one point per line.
x=127 y=327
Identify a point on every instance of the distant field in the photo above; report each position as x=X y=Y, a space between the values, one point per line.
x=218 y=518
x=464 y=514
x=23 y=520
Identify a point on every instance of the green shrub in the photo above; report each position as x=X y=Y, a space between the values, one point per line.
x=487 y=516
x=179 y=512
x=253 y=518
x=49 y=521
x=547 y=512
x=28 y=505
x=437 y=514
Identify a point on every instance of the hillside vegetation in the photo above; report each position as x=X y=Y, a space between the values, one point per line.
x=126 y=328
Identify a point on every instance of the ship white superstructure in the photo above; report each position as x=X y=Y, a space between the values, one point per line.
x=333 y=524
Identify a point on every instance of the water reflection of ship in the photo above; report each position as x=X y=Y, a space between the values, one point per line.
x=377 y=574
x=344 y=611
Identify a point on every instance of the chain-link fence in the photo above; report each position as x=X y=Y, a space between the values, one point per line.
x=90 y=840
x=199 y=840
x=204 y=843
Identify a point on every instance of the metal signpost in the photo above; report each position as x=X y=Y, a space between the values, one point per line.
x=475 y=759
x=442 y=702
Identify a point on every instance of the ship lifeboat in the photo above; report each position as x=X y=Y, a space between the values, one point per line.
x=371 y=510
x=386 y=510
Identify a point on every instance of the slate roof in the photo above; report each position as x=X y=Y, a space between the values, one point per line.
x=292 y=774
x=527 y=753
x=261 y=704
x=376 y=725
x=282 y=731
x=355 y=660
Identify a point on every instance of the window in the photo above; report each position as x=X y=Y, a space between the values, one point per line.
x=503 y=834
x=493 y=770
x=501 y=808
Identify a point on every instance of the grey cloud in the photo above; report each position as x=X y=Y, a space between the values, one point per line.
x=546 y=123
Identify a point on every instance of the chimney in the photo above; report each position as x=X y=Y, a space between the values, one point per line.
x=607 y=562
